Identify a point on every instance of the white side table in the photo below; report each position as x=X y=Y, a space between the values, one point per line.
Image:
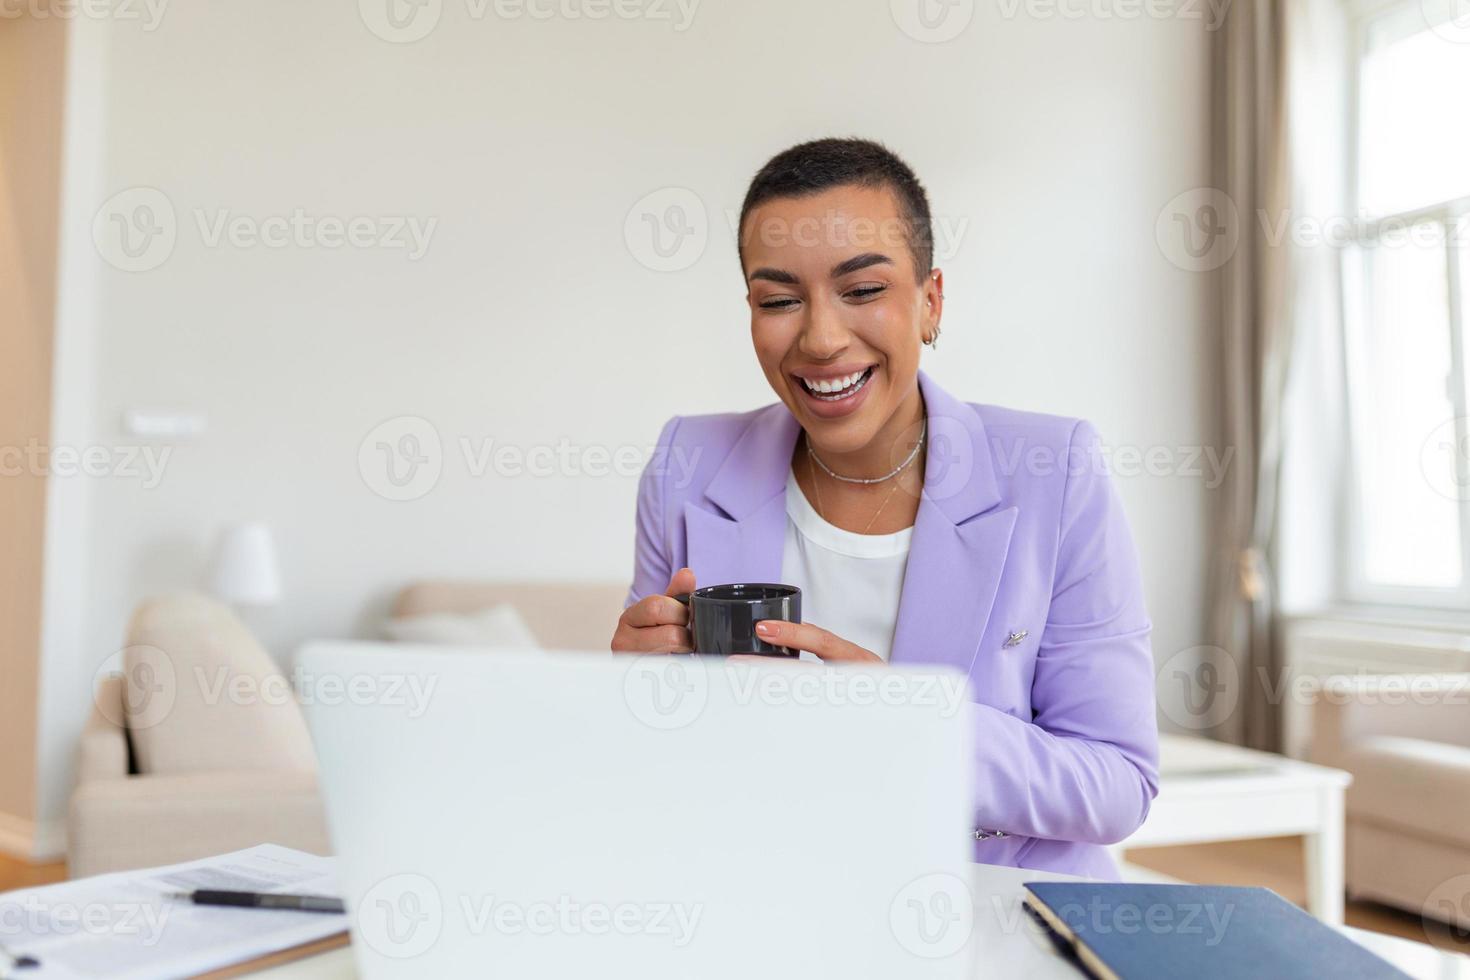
x=1210 y=791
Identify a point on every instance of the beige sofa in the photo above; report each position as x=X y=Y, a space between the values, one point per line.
x=175 y=764
x=1406 y=740
x=561 y=616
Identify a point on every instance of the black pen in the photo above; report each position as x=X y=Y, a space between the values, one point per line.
x=263 y=900
x=15 y=961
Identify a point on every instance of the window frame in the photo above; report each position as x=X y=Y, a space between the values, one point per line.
x=1452 y=216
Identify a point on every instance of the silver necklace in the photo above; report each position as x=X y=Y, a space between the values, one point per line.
x=923 y=428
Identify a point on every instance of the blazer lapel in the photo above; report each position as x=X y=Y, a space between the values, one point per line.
x=958 y=551
x=740 y=540
x=724 y=550
x=949 y=588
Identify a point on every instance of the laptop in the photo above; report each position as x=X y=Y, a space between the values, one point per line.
x=547 y=814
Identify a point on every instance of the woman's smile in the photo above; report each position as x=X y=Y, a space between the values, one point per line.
x=831 y=393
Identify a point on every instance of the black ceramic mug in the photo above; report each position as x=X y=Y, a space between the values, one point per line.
x=722 y=618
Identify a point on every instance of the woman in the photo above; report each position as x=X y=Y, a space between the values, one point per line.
x=921 y=529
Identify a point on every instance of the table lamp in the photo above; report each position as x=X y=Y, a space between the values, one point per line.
x=245 y=571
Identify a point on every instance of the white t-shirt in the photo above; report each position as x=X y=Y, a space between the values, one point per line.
x=850 y=583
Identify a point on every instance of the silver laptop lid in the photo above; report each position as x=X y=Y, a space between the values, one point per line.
x=557 y=815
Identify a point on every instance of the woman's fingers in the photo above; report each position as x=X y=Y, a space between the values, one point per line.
x=683 y=581
x=660 y=610
x=813 y=639
x=651 y=639
x=666 y=639
x=656 y=623
x=656 y=610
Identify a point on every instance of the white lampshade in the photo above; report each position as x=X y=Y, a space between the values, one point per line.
x=245 y=571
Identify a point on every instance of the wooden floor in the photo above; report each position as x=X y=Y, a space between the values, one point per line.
x=1275 y=863
x=15 y=873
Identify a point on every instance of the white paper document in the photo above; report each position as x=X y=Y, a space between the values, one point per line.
x=128 y=926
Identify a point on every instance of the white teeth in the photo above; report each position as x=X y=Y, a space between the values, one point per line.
x=837 y=388
x=829 y=385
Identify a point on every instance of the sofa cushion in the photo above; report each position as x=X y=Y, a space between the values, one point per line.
x=1414 y=785
x=203 y=695
x=561 y=615
x=499 y=627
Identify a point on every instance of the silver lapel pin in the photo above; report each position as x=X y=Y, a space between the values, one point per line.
x=1016 y=637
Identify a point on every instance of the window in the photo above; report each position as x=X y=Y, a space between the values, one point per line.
x=1404 y=274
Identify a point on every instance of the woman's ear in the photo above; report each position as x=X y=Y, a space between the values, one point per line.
x=933 y=306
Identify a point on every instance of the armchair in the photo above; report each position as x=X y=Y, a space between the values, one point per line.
x=203 y=771
x=1406 y=740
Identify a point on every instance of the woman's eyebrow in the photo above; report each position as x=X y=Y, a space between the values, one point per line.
x=838 y=271
x=859 y=262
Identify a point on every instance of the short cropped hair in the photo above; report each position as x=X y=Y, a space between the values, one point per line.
x=815 y=166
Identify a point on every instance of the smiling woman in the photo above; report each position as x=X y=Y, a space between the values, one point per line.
x=876 y=492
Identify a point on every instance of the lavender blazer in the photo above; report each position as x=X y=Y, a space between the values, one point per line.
x=1019 y=534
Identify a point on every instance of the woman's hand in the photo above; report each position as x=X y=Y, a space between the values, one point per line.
x=829 y=647
x=657 y=623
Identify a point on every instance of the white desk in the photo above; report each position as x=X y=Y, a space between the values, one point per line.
x=1006 y=942
x=1210 y=791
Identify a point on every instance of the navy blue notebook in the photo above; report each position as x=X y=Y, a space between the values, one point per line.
x=1203 y=932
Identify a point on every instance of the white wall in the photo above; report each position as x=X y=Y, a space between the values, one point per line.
x=70 y=652
x=529 y=321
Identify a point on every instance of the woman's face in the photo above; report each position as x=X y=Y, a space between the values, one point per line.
x=838 y=311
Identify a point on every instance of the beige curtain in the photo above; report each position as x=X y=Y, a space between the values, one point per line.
x=1274 y=61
